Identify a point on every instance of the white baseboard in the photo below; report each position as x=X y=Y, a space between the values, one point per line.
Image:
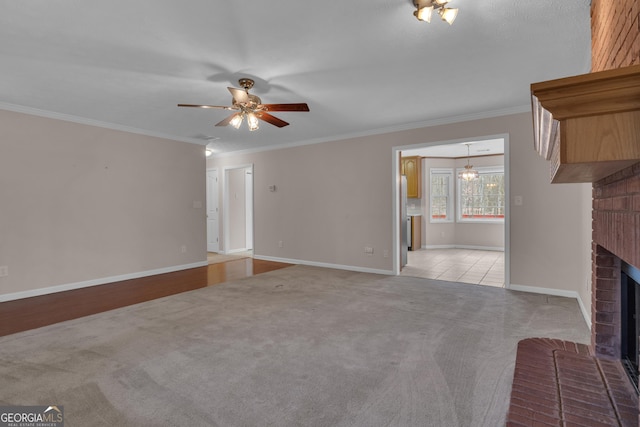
x=479 y=248
x=325 y=265
x=232 y=251
x=555 y=292
x=235 y=251
x=96 y=282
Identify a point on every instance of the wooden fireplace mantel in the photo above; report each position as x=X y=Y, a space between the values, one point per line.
x=588 y=126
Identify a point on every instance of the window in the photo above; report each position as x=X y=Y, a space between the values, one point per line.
x=482 y=200
x=441 y=195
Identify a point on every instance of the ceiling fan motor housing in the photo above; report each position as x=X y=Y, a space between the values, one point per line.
x=246 y=83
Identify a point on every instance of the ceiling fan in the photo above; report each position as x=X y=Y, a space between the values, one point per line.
x=251 y=107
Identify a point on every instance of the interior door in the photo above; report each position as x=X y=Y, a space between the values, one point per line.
x=213 y=228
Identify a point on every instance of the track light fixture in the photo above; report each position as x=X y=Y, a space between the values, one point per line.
x=425 y=8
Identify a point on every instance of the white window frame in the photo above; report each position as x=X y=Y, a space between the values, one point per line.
x=481 y=171
x=450 y=212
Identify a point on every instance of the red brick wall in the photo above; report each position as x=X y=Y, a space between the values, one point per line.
x=615 y=43
x=616 y=214
x=615 y=34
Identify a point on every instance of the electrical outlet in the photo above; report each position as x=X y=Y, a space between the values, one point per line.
x=183 y=249
x=368 y=250
x=385 y=253
x=280 y=244
x=4 y=271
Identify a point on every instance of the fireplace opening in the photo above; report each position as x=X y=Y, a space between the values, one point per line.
x=630 y=321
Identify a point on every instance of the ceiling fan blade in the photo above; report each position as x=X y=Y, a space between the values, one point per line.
x=239 y=95
x=271 y=119
x=286 y=107
x=205 y=106
x=227 y=120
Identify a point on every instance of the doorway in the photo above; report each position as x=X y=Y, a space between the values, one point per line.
x=238 y=208
x=465 y=238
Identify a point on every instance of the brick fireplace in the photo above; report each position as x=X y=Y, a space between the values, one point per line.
x=616 y=239
x=615 y=43
x=563 y=383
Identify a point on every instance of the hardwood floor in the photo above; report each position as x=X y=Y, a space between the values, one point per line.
x=35 y=312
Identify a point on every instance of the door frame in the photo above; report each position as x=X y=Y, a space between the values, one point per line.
x=249 y=217
x=209 y=170
x=396 y=198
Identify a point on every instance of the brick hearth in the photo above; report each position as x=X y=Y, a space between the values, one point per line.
x=560 y=383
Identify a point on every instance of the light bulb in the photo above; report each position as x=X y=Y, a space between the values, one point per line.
x=236 y=121
x=469 y=174
x=424 y=14
x=252 y=121
x=448 y=15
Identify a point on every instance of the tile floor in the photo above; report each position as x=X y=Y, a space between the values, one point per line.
x=457 y=265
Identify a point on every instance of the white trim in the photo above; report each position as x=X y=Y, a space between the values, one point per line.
x=324 y=265
x=217 y=205
x=438 y=246
x=225 y=203
x=479 y=248
x=235 y=251
x=395 y=202
x=485 y=170
x=558 y=293
x=448 y=172
x=408 y=126
x=97 y=123
x=390 y=129
x=507 y=209
x=96 y=282
x=395 y=214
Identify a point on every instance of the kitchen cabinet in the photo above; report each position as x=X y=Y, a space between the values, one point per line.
x=588 y=126
x=412 y=169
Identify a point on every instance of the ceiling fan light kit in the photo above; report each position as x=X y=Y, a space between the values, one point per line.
x=250 y=107
x=425 y=8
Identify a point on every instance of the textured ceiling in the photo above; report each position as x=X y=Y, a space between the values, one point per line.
x=363 y=67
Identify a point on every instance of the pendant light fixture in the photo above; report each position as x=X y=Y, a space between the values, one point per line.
x=468 y=174
x=425 y=8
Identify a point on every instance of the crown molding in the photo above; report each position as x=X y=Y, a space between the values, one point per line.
x=378 y=131
x=389 y=129
x=91 y=122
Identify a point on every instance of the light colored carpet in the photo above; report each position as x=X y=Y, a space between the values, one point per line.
x=301 y=346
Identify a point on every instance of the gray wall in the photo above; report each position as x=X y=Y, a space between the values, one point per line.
x=81 y=204
x=335 y=198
